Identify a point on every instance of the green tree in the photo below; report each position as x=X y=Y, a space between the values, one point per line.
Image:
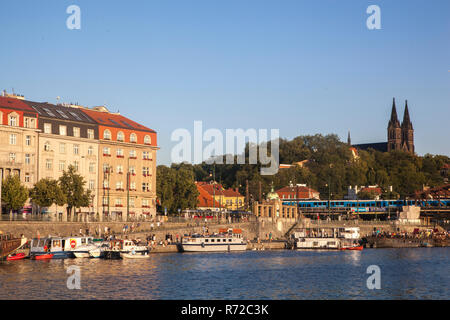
x=72 y=186
x=47 y=192
x=14 y=194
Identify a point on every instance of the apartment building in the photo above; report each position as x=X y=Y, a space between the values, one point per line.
x=127 y=166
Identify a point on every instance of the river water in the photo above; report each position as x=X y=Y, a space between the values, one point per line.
x=416 y=273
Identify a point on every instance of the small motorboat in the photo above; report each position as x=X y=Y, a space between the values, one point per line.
x=359 y=248
x=16 y=256
x=43 y=256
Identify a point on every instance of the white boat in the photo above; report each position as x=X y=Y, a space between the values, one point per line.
x=326 y=238
x=119 y=247
x=80 y=246
x=226 y=240
x=99 y=250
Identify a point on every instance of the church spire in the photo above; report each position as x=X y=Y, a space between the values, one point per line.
x=394 y=117
x=406 y=120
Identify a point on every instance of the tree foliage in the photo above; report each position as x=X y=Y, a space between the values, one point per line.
x=14 y=194
x=47 y=192
x=72 y=186
x=175 y=187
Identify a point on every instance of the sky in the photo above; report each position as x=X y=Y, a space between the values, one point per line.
x=303 y=67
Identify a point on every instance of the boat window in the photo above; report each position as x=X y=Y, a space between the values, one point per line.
x=212 y=240
x=229 y=240
x=206 y=240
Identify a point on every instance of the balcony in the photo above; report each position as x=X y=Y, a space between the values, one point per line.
x=120 y=156
x=120 y=189
x=107 y=155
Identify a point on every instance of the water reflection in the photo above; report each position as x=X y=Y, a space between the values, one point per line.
x=249 y=275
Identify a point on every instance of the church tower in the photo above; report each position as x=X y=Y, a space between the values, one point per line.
x=407 y=132
x=394 y=130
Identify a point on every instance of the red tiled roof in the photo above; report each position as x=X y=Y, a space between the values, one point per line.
x=115 y=120
x=204 y=199
x=301 y=192
x=231 y=193
x=372 y=189
x=210 y=189
x=12 y=103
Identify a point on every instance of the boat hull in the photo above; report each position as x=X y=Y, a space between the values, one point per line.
x=42 y=257
x=18 y=256
x=143 y=255
x=81 y=254
x=197 y=247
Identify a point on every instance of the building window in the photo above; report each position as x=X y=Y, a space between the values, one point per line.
x=145 y=187
x=120 y=136
x=28 y=140
x=47 y=128
x=12 y=157
x=144 y=203
x=92 y=184
x=76 y=149
x=27 y=177
x=119 y=185
x=105 y=201
x=118 y=202
x=132 y=153
x=90 y=151
x=131 y=202
x=76 y=132
x=132 y=186
x=27 y=158
x=13 y=139
x=133 y=137
x=47 y=146
x=119 y=153
x=62 y=148
x=146 y=171
x=147 y=139
x=91 y=167
x=132 y=170
x=62 y=165
x=48 y=164
x=105 y=184
x=90 y=134
x=62 y=130
x=106 y=151
x=106 y=167
x=146 y=155
x=76 y=165
x=107 y=135
x=119 y=169
x=29 y=123
x=13 y=120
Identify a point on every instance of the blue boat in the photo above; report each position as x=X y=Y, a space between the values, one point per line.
x=57 y=246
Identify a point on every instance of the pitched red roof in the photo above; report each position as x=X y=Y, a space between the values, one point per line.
x=372 y=189
x=297 y=191
x=16 y=104
x=231 y=193
x=212 y=189
x=204 y=199
x=115 y=120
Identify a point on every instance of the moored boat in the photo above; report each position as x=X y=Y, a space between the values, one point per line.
x=358 y=248
x=119 y=247
x=44 y=256
x=327 y=238
x=224 y=241
x=134 y=255
x=16 y=256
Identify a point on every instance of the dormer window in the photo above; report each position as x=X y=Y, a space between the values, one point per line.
x=133 y=138
x=13 y=119
x=120 y=136
x=147 y=139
